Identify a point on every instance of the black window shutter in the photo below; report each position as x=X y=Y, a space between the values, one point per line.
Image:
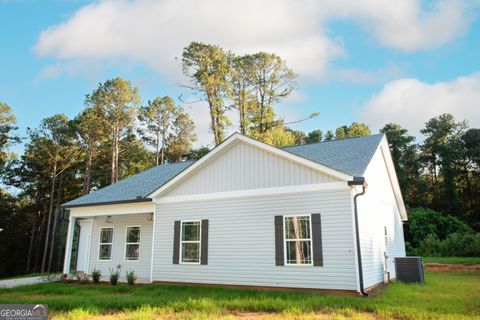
x=176 y=242
x=204 y=243
x=279 y=260
x=317 y=240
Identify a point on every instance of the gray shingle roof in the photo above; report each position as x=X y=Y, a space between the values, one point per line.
x=139 y=185
x=350 y=156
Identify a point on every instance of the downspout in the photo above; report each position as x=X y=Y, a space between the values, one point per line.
x=358 y=181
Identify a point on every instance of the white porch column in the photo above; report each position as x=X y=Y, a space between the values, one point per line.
x=68 y=246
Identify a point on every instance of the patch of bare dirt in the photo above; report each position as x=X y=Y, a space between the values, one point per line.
x=305 y=316
x=452 y=267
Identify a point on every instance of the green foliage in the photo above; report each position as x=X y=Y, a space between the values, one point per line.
x=272 y=81
x=131 y=277
x=298 y=135
x=7 y=126
x=314 y=136
x=424 y=223
x=455 y=245
x=96 y=275
x=118 y=101
x=446 y=295
x=441 y=151
x=275 y=136
x=157 y=117
x=251 y=84
x=91 y=129
x=195 y=154
x=407 y=165
x=471 y=141
x=329 y=136
x=429 y=233
x=208 y=68
x=181 y=138
x=356 y=129
x=114 y=276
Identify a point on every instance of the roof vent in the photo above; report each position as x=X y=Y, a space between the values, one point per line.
x=409 y=269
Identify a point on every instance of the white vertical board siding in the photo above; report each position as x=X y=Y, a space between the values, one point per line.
x=119 y=224
x=378 y=209
x=242 y=241
x=244 y=166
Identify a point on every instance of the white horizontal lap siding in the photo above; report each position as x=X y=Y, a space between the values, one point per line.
x=119 y=224
x=242 y=241
x=244 y=167
x=377 y=210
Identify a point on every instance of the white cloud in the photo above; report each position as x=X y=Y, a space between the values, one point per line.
x=411 y=102
x=406 y=24
x=154 y=32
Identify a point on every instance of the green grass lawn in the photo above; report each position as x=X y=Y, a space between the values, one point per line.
x=446 y=295
x=464 y=260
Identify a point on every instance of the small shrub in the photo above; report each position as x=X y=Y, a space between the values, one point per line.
x=114 y=276
x=96 y=275
x=131 y=277
x=424 y=222
x=82 y=277
x=455 y=245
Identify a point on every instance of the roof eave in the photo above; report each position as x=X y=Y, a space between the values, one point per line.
x=105 y=203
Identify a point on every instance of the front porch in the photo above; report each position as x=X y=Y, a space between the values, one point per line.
x=109 y=238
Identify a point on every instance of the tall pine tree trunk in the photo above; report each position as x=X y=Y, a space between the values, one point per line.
x=88 y=171
x=115 y=149
x=54 y=228
x=113 y=155
x=30 y=245
x=50 y=209
x=213 y=118
x=38 y=251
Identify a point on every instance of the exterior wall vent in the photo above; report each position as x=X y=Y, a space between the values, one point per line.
x=409 y=269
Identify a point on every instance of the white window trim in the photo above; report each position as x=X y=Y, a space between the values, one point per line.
x=126 y=243
x=307 y=239
x=101 y=243
x=190 y=241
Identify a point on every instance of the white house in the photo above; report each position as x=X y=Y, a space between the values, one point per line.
x=323 y=216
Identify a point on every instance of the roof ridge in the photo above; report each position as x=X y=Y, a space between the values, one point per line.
x=334 y=140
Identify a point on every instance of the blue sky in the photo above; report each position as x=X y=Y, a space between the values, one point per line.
x=369 y=62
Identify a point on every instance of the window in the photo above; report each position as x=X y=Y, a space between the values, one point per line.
x=132 y=243
x=190 y=242
x=106 y=242
x=298 y=240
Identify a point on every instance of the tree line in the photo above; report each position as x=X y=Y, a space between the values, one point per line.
x=115 y=136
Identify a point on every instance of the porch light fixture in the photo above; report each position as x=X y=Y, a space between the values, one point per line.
x=109 y=219
x=150 y=216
